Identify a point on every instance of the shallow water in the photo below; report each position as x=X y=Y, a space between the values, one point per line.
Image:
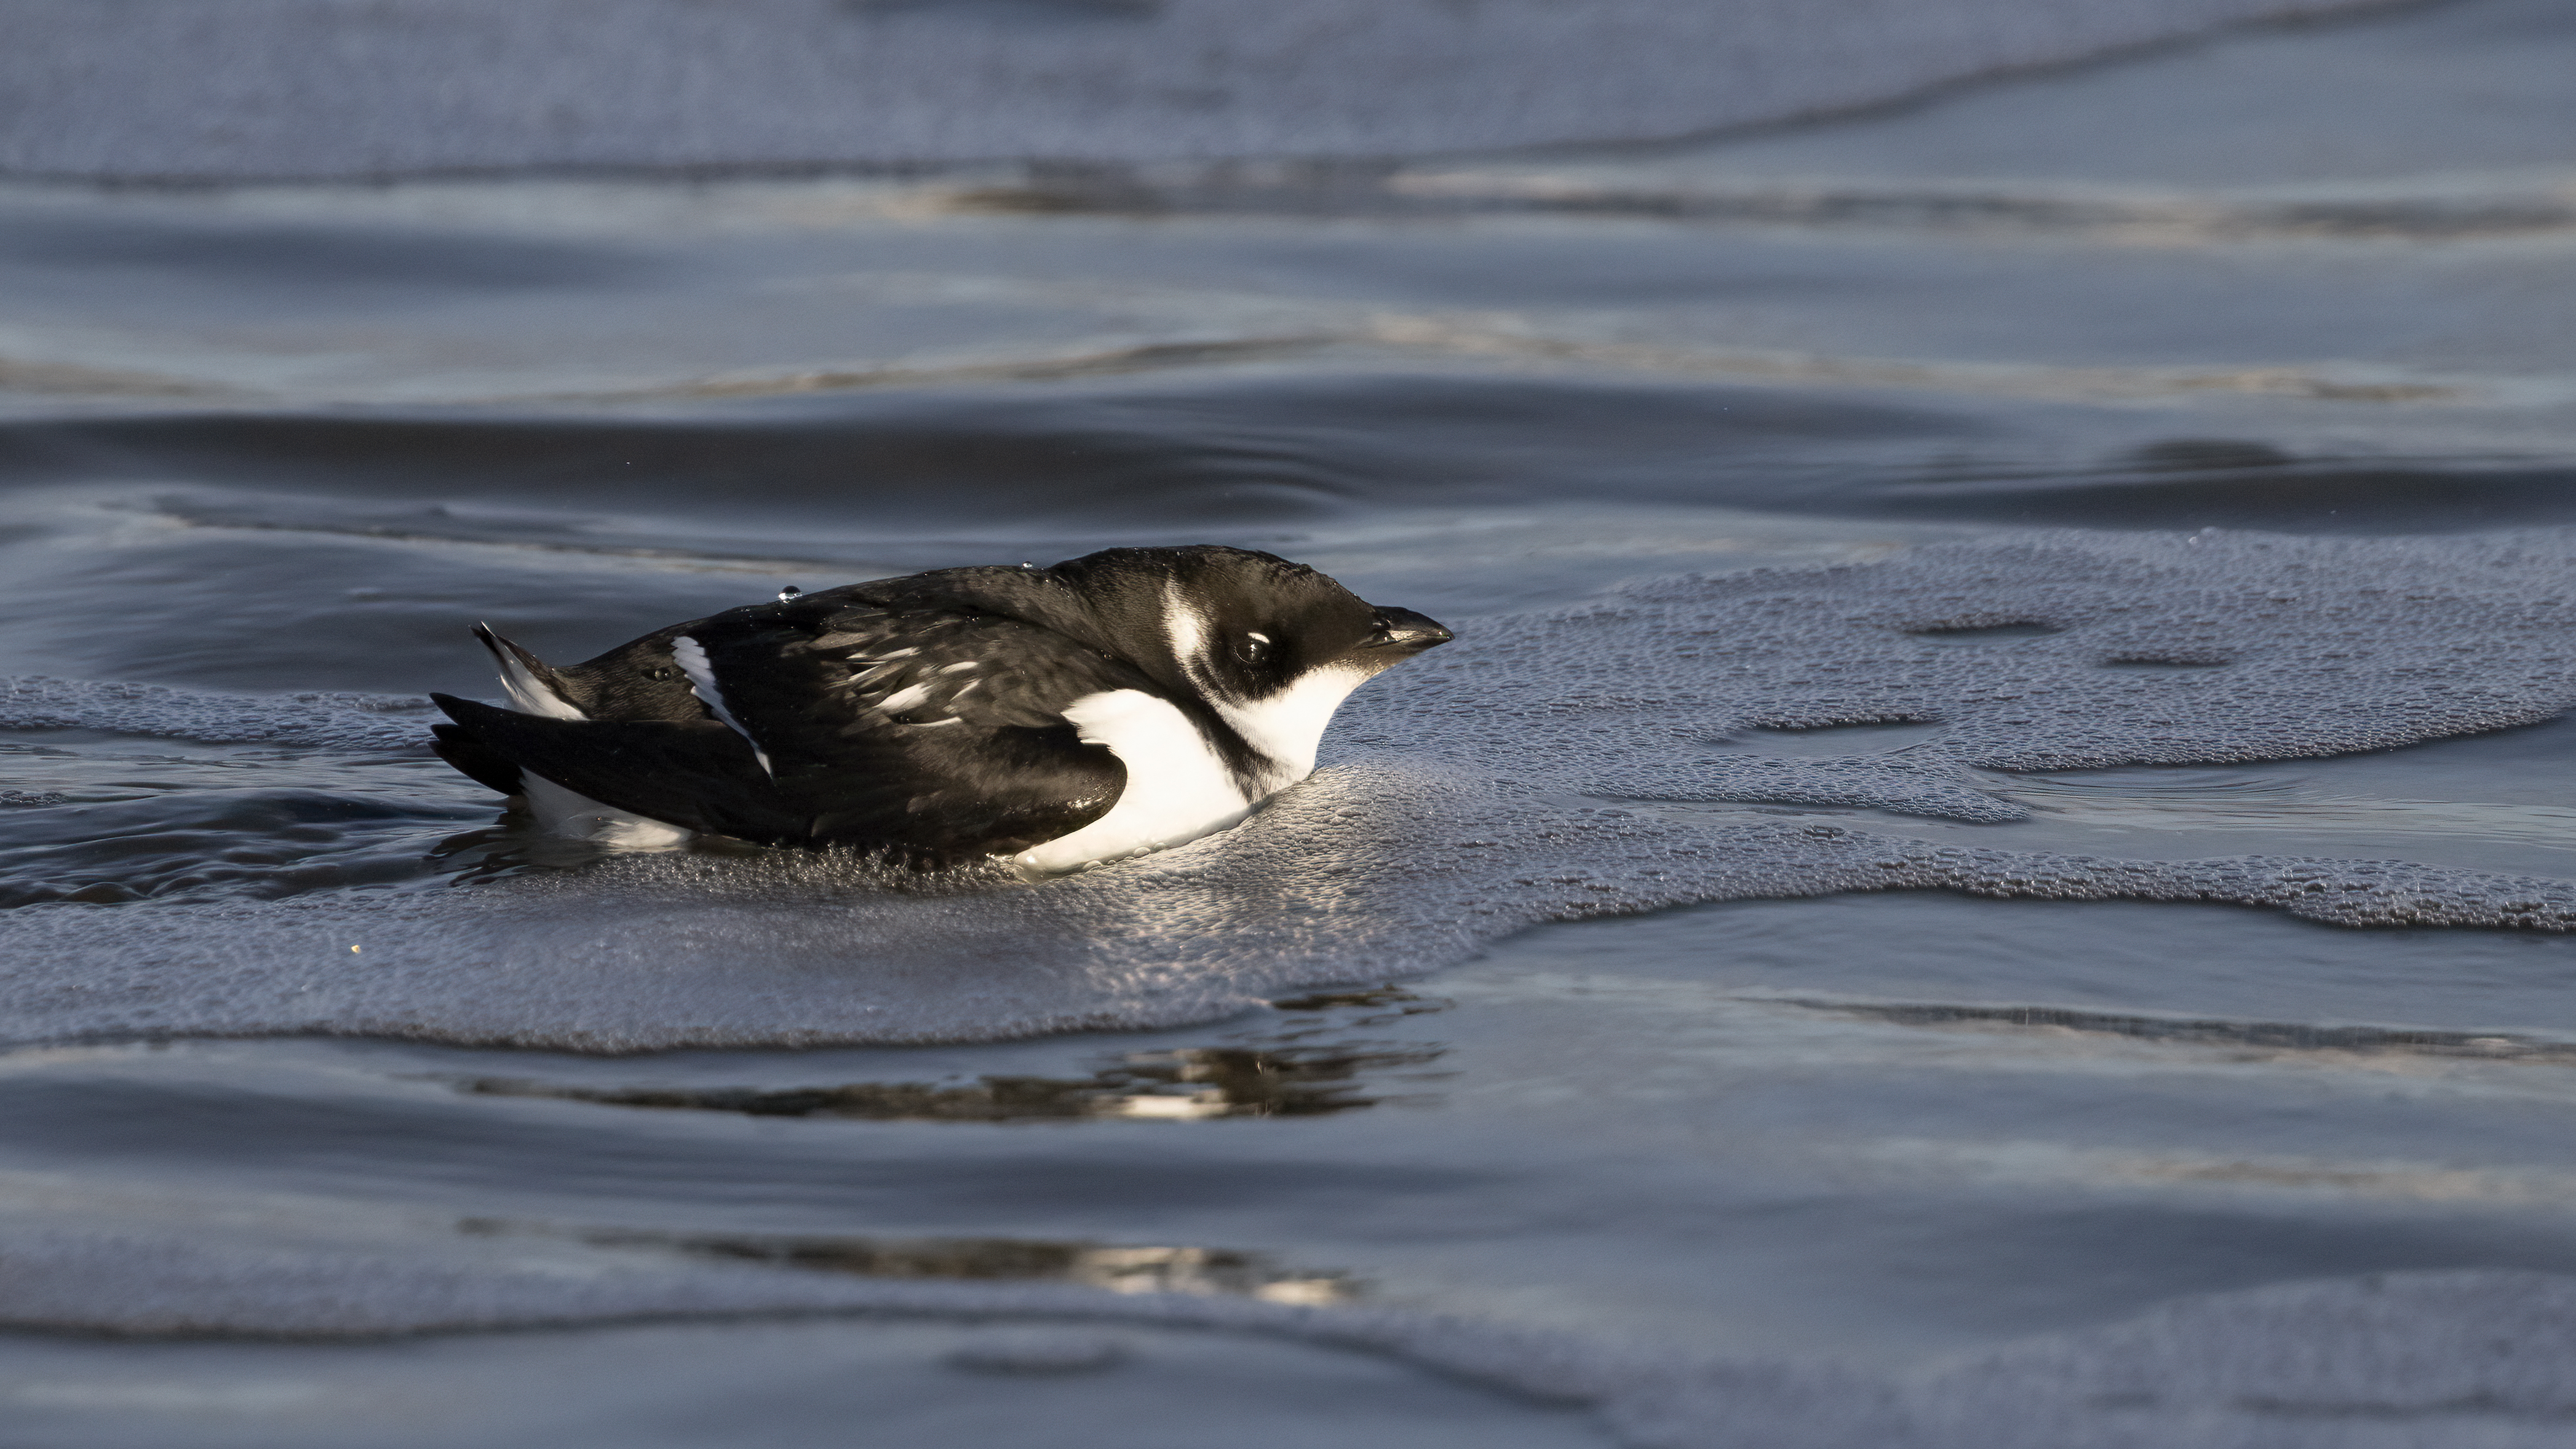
x=1526 y=1012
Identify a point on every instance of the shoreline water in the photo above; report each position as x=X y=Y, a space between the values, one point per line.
x=1878 y=1166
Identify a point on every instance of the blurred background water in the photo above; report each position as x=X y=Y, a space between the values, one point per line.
x=520 y=315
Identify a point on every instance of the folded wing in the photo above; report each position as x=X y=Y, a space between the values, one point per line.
x=826 y=722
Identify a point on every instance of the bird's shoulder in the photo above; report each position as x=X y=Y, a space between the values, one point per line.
x=917 y=661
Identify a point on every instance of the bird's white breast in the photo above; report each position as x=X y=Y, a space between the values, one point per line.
x=1287 y=726
x=1178 y=789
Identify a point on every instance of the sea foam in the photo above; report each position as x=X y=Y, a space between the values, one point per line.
x=1490 y=786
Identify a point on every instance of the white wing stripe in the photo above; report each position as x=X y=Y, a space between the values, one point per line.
x=702 y=683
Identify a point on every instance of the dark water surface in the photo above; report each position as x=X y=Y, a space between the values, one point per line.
x=289 y=442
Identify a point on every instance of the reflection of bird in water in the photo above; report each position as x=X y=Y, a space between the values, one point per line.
x=1111 y=705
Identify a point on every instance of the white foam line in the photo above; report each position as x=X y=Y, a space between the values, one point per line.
x=1456 y=821
x=323 y=719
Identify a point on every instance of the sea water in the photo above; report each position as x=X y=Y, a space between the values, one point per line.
x=1991 y=863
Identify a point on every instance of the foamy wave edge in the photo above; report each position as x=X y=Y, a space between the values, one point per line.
x=312 y=719
x=1487 y=788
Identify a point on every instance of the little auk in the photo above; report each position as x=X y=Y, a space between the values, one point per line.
x=1108 y=706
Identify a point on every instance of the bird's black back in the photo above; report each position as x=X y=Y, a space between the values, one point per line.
x=953 y=770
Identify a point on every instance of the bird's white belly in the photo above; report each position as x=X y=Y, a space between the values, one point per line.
x=564 y=812
x=1178 y=789
x=559 y=811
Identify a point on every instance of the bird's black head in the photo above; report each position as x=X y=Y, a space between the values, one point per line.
x=1272 y=646
x=1241 y=626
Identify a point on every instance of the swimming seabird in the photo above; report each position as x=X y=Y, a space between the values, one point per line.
x=1108 y=706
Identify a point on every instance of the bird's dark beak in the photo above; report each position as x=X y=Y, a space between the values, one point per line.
x=1405 y=630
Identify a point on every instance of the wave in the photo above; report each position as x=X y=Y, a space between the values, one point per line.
x=2436 y=208
x=2395 y=1359
x=1265 y=461
x=1356 y=340
x=774 y=84
x=2260 y=1036
x=317 y=719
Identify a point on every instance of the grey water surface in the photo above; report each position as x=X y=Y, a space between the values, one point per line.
x=287 y=440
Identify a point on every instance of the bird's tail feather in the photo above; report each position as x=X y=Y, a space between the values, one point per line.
x=532 y=683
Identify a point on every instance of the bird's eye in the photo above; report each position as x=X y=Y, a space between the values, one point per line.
x=658 y=673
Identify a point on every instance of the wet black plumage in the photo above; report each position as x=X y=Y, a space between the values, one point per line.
x=922 y=716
